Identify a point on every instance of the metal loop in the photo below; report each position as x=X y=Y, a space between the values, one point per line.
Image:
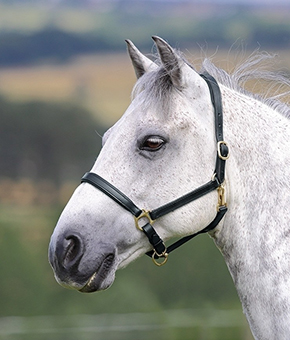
x=144 y=214
x=224 y=158
x=164 y=254
x=221 y=197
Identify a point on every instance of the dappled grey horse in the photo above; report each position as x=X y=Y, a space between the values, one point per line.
x=193 y=153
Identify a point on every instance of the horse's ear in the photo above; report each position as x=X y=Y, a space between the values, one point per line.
x=175 y=66
x=140 y=63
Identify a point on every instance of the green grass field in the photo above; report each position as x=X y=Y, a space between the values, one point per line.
x=144 y=302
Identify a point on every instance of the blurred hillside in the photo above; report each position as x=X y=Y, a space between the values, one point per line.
x=34 y=31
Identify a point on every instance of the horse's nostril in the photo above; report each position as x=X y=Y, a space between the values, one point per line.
x=70 y=251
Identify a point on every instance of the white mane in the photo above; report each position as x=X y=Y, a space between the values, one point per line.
x=256 y=68
x=273 y=86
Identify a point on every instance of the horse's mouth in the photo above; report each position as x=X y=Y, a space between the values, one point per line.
x=102 y=278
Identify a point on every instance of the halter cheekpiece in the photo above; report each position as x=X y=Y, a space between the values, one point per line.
x=160 y=251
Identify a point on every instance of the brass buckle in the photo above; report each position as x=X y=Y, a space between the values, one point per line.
x=221 y=197
x=144 y=214
x=164 y=254
x=224 y=158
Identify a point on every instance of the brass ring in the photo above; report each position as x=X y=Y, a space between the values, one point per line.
x=159 y=264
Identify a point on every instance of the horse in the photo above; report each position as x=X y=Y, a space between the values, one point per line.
x=198 y=153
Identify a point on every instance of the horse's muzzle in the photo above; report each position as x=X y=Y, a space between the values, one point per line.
x=77 y=267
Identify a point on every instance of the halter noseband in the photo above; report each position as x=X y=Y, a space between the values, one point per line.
x=216 y=182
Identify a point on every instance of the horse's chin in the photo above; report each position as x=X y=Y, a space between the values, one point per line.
x=89 y=279
x=95 y=283
x=98 y=283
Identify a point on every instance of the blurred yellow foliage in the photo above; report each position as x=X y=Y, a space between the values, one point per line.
x=26 y=192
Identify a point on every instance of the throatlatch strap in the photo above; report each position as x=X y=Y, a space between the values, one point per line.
x=223 y=151
x=216 y=99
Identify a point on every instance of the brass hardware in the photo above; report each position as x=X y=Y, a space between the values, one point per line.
x=221 y=197
x=144 y=214
x=164 y=254
x=219 y=150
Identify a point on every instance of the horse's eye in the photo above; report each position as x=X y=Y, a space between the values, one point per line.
x=152 y=143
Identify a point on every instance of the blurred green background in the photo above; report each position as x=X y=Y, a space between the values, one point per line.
x=65 y=78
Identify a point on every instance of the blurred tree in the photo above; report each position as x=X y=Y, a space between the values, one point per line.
x=48 y=44
x=129 y=19
x=46 y=141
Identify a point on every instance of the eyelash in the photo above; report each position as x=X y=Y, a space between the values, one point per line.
x=152 y=143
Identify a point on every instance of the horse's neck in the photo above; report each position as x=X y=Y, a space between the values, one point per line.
x=255 y=237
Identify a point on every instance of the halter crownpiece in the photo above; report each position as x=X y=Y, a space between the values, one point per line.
x=160 y=251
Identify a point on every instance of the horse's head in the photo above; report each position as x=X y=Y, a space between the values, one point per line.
x=161 y=148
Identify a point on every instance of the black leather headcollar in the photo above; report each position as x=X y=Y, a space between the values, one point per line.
x=159 y=248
